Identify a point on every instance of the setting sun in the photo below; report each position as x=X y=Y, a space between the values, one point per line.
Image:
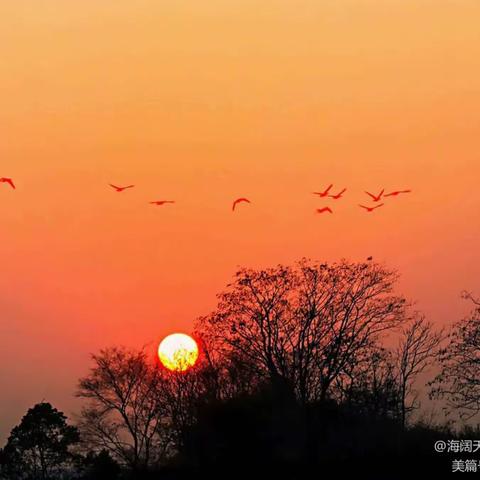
x=178 y=352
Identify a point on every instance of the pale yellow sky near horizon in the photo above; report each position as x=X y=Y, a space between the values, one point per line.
x=203 y=102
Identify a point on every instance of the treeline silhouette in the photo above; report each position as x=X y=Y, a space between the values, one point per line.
x=310 y=367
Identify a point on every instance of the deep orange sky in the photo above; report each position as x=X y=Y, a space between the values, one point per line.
x=203 y=102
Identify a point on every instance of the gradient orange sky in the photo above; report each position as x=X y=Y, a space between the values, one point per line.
x=203 y=102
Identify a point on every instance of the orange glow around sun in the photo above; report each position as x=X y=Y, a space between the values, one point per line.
x=178 y=352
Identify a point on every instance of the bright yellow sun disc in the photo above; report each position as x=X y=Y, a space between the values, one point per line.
x=178 y=352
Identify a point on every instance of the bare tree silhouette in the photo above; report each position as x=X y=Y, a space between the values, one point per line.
x=304 y=325
x=417 y=348
x=371 y=387
x=124 y=414
x=458 y=381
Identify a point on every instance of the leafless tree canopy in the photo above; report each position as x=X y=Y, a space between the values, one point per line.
x=124 y=414
x=418 y=347
x=459 y=379
x=371 y=386
x=305 y=324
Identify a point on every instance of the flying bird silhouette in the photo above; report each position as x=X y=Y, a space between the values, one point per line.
x=339 y=194
x=324 y=209
x=376 y=198
x=120 y=189
x=9 y=181
x=325 y=193
x=239 y=200
x=161 y=202
x=371 y=209
x=396 y=193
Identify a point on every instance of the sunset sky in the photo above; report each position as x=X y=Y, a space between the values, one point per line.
x=204 y=102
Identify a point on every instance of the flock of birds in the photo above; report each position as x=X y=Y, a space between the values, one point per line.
x=160 y=203
x=324 y=194
x=369 y=209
